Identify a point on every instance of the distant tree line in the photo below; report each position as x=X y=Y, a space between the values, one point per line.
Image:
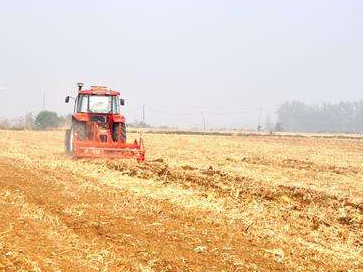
x=328 y=117
x=293 y=116
x=138 y=124
x=43 y=121
x=46 y=120
x=49 y=119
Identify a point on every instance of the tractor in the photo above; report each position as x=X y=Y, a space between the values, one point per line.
x=98 y=128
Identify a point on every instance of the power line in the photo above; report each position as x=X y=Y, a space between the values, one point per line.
x=225 y=113
x=2 y=87
x=172 y=114
x=197 y=113
x=203 y=114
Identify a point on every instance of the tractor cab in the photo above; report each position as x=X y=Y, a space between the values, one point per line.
x=97 y=100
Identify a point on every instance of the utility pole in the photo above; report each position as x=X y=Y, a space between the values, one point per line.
x=43 y=100
x=259 y=119
x=143 y=114
x=203 y=117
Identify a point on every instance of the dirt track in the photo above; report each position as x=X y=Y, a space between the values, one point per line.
x=176 y=213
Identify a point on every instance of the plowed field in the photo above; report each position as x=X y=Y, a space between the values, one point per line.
x=199 y=203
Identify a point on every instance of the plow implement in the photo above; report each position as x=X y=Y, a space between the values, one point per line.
x=90 y=149
x=101 y=144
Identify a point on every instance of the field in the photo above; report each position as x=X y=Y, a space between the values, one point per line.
x=200 y=203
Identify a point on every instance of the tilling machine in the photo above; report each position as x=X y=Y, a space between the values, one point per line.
x=98 y=128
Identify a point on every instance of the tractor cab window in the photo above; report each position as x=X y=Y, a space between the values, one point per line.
x=82 y=103
x=98 y=104
x=115 y=105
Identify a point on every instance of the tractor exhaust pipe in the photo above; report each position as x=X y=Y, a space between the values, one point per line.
x=80 y=86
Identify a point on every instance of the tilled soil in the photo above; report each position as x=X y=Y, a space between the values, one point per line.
x=217 y=212
x=111 y=230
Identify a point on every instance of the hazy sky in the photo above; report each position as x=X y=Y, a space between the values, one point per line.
x=182 y=56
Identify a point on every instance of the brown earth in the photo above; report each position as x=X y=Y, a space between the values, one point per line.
x=256 y=204
x=119 y=230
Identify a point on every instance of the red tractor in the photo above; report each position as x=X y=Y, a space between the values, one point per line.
x=98 y=129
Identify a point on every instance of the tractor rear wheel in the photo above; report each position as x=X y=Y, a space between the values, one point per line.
x=68 y=142
x=115 y=129
x=79 y=130
x=123 y=132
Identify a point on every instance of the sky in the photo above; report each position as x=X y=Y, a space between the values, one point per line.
x=230 y=60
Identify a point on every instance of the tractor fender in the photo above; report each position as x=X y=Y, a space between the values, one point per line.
x=119 y=119
x=81 y=117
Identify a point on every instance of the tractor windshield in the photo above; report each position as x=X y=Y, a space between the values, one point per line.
x=98 y=104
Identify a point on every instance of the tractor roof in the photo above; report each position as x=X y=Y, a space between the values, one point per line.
x=98 y=90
